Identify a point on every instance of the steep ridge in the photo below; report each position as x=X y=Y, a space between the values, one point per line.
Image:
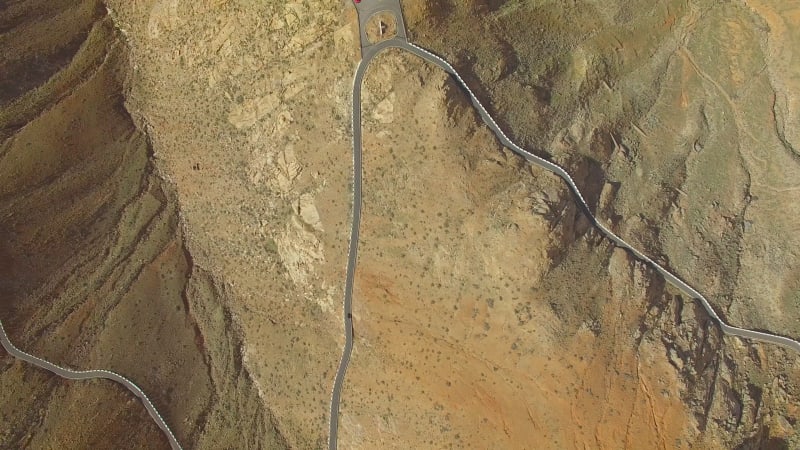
x=461 y=301
x=94 y=272
x=671 y=131
x=677 y=130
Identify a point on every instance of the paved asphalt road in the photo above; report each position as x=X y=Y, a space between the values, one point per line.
x=366 y=8
x=89 y=375
x=368 y=53
x=558 y=170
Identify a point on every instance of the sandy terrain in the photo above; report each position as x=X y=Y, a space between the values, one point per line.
x=94 y=269
x=456 y=346
x=175 y=193
x=489 y=313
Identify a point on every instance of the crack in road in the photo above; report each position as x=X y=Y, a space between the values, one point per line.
x=369 y=51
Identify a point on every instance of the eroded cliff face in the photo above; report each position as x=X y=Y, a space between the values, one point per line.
x=174 y=188
x=176 y=181
x=95 y=272
x=489 y=313
x=672 y=118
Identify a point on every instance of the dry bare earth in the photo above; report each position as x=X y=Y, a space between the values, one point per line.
x=208 y=236
x=487 y=312
x=94 y=269
x=672 y=116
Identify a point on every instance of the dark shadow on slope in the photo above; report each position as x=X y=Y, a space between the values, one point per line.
x=94 y=272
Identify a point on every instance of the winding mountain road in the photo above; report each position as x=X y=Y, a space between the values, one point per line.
x=91 y=375
x=367 y=9
x=368 y=52
x=619 y=242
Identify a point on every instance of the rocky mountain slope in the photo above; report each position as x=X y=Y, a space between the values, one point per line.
x=491 y=314
x=673 y=116
x=175 y=196
x=678 y=114
x=95 y=272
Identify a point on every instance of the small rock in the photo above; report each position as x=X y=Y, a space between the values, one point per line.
x=308 y=212
x=675 y=359
x=384 y=111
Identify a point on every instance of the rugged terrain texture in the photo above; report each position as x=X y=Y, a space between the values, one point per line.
x=674 y=118
x=198 y=233
x=94 y=272
x=247 y=105
x=174 y=192
x=679 y=114
x=488 y=312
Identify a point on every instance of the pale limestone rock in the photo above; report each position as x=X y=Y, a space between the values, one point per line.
x=305 y=38
x=163 y=17
x=299 y=251
x=307 y=211
x=252 y=110
x=222 y=37
x=285 y=170
x=384 y=111
x=283 y=121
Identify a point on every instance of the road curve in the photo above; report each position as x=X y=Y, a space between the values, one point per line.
x=558 y=170
x=368 y=53
x=89 y=375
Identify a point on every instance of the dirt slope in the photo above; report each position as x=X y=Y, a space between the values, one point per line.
x=174 y=192
x=95 y=273
x=488 y=313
